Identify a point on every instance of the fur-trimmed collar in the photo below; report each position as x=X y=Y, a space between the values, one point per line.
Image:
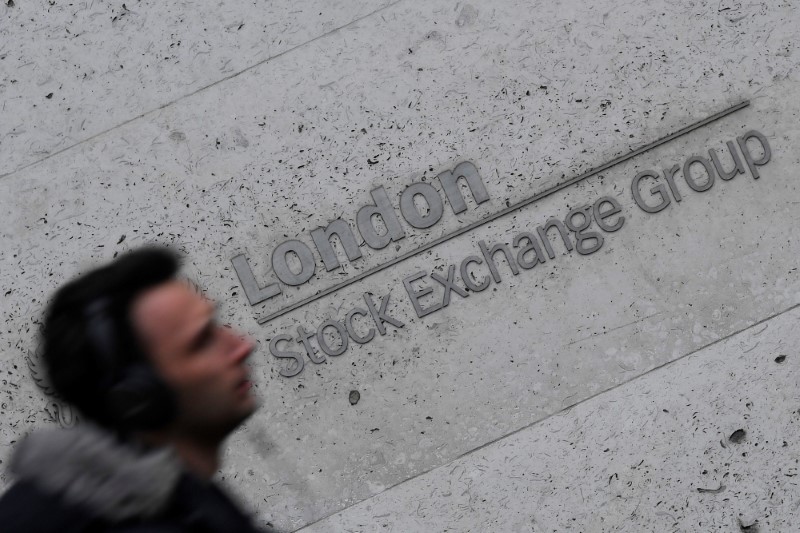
x=90 y=468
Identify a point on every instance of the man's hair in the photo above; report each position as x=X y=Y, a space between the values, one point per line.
x=78 y=368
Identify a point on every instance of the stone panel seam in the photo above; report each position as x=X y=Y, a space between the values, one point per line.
x=199 y=90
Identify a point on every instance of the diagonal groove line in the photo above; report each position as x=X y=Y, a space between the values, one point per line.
x=519 y=205
x=560 y=411
x=201 y=89
x=615 y=328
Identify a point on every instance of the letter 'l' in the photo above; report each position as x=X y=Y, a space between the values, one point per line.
x=254 y=293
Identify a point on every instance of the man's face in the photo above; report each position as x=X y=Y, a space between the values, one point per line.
x=201 y=360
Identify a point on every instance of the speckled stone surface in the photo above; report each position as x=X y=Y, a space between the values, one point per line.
x=707 y=443
x=233 y=160
x=73 y=70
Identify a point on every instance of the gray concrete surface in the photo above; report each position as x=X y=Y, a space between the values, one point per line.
x=288 y=123
x=706 y=443
x=74 y=70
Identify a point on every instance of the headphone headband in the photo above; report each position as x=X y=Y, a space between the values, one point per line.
x=136 y=396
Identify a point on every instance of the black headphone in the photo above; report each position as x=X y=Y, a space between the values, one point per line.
x=136 y=397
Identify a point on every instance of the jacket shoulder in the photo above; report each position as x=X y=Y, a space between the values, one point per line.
x=25 y=508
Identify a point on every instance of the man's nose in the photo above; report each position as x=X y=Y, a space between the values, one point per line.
x=241 y=345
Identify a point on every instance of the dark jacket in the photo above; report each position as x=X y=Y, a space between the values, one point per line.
x=85 y=480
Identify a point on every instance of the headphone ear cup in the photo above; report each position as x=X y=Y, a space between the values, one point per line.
x=141 y=399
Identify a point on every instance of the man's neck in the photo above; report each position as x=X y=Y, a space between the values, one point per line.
x=200 y=456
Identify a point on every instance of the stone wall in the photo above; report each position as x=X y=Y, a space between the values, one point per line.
x=642 y=377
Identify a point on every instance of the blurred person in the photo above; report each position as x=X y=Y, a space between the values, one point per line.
x=160 y=384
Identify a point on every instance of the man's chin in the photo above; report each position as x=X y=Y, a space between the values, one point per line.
x=236 y=417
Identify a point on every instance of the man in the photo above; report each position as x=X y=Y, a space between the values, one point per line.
x=160 y=384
